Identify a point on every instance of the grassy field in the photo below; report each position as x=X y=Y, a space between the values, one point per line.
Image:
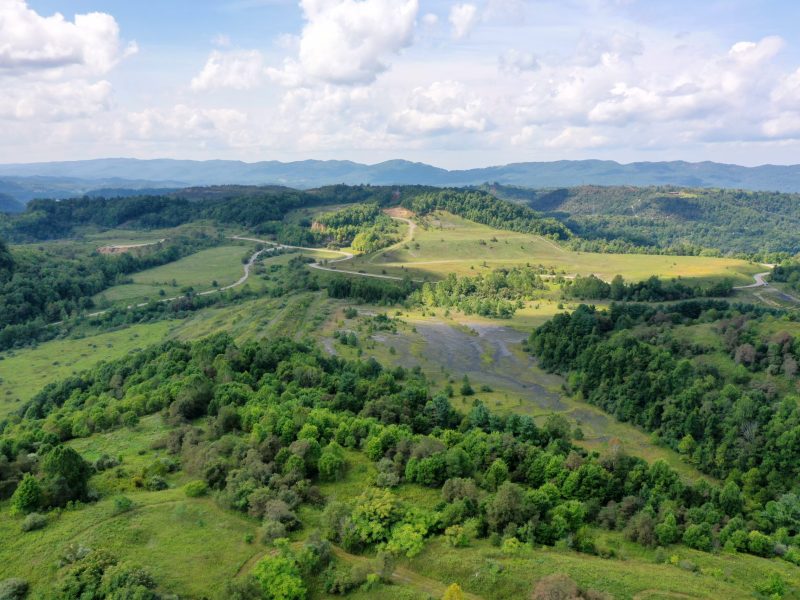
x=635 y=574
x=199 y=271
x=191 y=545
x=24 y=372
x=446 y=243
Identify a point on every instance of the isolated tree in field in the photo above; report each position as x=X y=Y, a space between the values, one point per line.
x=66 y=476
x=27 y=497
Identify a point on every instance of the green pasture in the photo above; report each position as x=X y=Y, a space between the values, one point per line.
x=444 y=243
x=199 y=271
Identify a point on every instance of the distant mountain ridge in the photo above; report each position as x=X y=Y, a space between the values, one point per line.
x=72 y=178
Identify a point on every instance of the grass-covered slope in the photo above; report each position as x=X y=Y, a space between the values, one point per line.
x=444 y=243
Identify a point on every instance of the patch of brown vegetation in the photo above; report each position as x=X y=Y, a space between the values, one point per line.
x=123 y=248
x=399 y=211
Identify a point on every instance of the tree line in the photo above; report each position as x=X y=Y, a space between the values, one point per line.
x=652 y=289
x=670 y=220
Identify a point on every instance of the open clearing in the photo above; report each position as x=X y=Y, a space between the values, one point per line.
x=222 y=264
x=25 y=372
x=444 y=243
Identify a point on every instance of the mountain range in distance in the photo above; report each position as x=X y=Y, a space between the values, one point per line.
x=19 y=183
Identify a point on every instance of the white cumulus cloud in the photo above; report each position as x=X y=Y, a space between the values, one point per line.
x=463 y=18
x=30 y=42
x=348 y=42
x=442 y=107
x=186 y=122
x=52 y=68
x=239 y=70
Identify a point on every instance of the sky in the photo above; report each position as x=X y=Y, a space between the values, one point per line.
x=453 y=83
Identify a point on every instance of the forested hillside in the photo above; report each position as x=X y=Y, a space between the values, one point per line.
x=706 y=376
x=677 y=220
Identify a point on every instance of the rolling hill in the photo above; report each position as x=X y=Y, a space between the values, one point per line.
x=75 y=178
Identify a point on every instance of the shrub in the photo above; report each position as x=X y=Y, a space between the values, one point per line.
x=122 y=504
x=456 y=536
x=106 y=462
x=698 y=537
x=641 y=529
x=271 y=531
x=667 y=530
x=555 y=587
x=280 y=578
x=760 y=544
x=343 y=580
x=687 y=565
x=774 y=587
x=13 y=589
x=247 y=588
x=511 y=546
x=332 y=464
x=28 y=495
x=453 y=592
x=33 y=522
x=407 y=540
x=196 y=489
x=156 y=483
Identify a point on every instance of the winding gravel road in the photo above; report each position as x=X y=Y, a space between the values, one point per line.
x=345 y=255
x=760 y=281
x=247 y=268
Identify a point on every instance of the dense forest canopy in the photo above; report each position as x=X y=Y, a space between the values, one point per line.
x=631 y=360
x=258 y=208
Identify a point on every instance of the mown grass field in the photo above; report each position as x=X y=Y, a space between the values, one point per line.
x=445 y=243
x=199 y=271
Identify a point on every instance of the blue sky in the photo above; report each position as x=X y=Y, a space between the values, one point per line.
x=456 y=83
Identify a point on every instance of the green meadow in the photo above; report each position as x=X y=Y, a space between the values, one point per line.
x=444 y=243
x=199 y=271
